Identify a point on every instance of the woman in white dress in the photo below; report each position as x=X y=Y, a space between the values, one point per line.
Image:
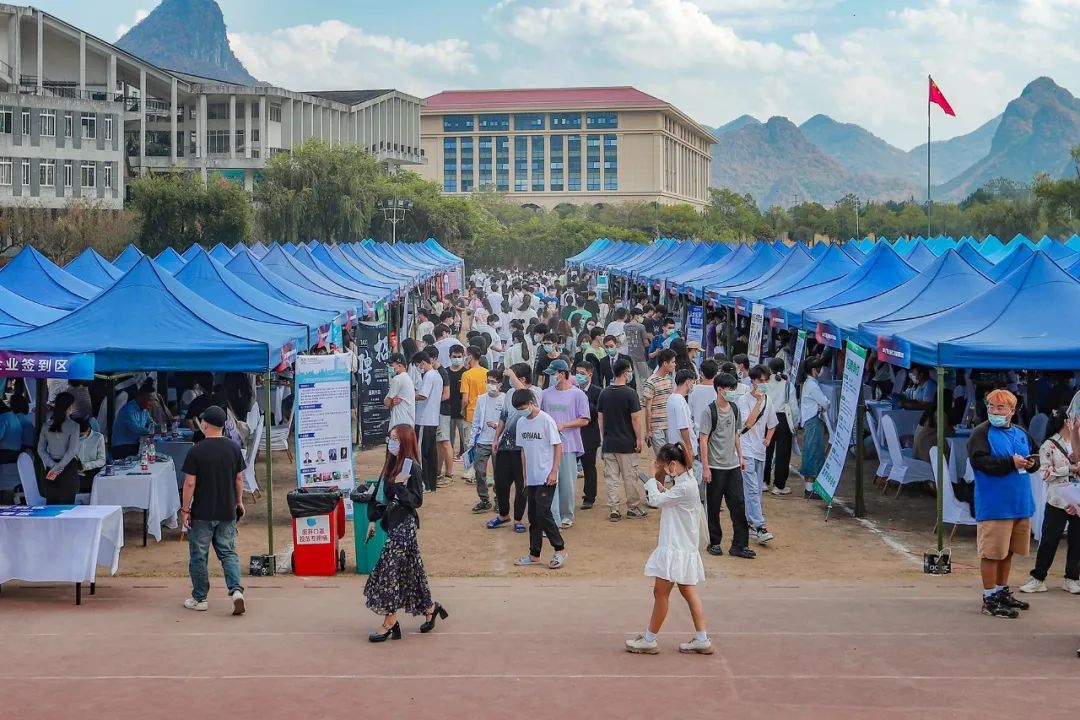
x=677 y=558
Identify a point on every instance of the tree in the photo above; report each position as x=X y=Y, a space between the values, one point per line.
x=63 y=235
x=179 y=210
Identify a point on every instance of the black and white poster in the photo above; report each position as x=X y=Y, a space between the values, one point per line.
x=372 y=352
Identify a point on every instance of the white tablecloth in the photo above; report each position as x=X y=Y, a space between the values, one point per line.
x=156 y=493
x=65 y=548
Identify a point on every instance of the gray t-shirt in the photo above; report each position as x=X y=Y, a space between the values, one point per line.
x=722 y=453
x=510 y=417
x=635 y=340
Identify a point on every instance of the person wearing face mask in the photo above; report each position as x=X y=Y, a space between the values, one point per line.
x=401 y=395
x=666 y=334
x=676 y=559
x=58 y=447
x=605 y=367
x=541 y=444
x=742 y=368
x=813 y=408
x=1002 y=454
x=453 y=410
x=550 y=351
x=586 y=350
x=590 y=434
x=922 y=394
x=720 y=448
x=485 y=421
x=569 y=408
x=759 y=425
x=518 y=351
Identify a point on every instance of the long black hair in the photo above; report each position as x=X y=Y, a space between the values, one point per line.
x=777 y=367
x=815 y=363
x=519 y=337
x=61 y=405
x=1056 y=422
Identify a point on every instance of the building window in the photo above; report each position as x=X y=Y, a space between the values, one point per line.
x=217 y=111
x=255 y=110
x=275 y=113
x=502 y=163
x=494 y=123
x=107 y=169
x=611 y=162
x=484 y=163
x=108 y=128
x=217 y=141
x=47 y=173
x=48 y=123
x=529 y=121
x=25 y=122
x=592 y=163
x=89 y=126
x=466 y=164
x=5 y=171
x=67 y=173
x=89 y=175
x=521 y=163
x=557 y=163
x=538 y=163
x=602 y=120
x=457 y=123
x=562 y=121
x=26 y=173
x=450 y=165
x=573 y=163
x=68 y=122
x=254 y=134
x=239 y=141
x=255 y=153
x=194 y=113
x=7 y=121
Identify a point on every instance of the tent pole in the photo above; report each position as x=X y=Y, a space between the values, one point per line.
x=860 y=422
x=267 y=427
x=110 y=412
x=940 y=456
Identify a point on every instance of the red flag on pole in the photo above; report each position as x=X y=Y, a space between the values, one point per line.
x=938 y=98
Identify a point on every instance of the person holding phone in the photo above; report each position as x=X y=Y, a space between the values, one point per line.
x=398 y=580
x=212 y=503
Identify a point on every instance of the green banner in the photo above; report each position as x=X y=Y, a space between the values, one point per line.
x=850 y=390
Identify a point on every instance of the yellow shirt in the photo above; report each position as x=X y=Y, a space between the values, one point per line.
x=473 y=384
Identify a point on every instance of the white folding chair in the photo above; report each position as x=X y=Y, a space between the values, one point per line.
x=251 y=485
x=1038 y=428
x=883 y=456
x=281 y=437
x=952 y=511
x=28 y=478
x=905 y=469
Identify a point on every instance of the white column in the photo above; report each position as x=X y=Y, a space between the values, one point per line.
x=142 y=120
x=200 y=131
x=247 y=128
x=292 y=123
x=40 y=48
x=111 y=75
x=264 y=129
x=232 y=126
x=82 y=64
x=172 y=122
x=14 y=51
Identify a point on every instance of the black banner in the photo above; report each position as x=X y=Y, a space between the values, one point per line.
x=372 y=373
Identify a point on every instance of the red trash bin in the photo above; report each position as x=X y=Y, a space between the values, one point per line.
x=318 y=521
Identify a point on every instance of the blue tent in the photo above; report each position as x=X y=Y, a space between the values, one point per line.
x=1057 y=252
x=171 y=260
x=1013 y=260
x=360 y=257
x=94 y=269
x=945 y=284
x=818 y=250
x=292 y=270
x=222 y=253
x=764 y=258
x=834 y=264
x=37 y=278
x=212 y=281
x=776 y=274
x=268 y=282
x=155 y=322
x=853 y=252
x=695 y=279
x=127 y=259
x=322 y=254
x=990 y=246
x=1073 y=243
x=367 y=290
x=258 y=250
x=970 y=252
x=938 y=245
x=17 y=314
x=1006 y=326
x=596 y=247
x=920 y=257
x=191 y=252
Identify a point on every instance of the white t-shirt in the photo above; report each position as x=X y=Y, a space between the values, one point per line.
x=444 y=346
x=424 y=328
x=427 y=411
x=617 y=329
x=678 y=419
x=404 y=413
x=535 y=437
x=701 y=395
x=753 y=440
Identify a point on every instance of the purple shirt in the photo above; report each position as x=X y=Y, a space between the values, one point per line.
x=566 y=406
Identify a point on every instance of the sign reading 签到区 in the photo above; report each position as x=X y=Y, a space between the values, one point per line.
x=47 y=365
x=850 y=390
x=757 y=321
x=894 y=351
x=695 y=324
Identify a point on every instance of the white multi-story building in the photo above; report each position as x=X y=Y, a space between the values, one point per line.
x=73 y=109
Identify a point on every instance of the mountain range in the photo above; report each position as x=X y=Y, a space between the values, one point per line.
x=824 y=159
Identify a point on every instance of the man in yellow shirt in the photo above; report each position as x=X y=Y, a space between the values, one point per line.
x=473 y=382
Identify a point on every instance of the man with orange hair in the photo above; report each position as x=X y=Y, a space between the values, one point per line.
x=1002 y=454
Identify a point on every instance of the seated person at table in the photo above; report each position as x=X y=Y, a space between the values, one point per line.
x=926 y=435
x=91 y=455
x=57 y=448
x=132 y=424
x=21 y=407
x=11 y=435
x=200 y=405
x=159 y=410
x=922 y=392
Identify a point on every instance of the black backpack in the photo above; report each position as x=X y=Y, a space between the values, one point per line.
x=715 y=417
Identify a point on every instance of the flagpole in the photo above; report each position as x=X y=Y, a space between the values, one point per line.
x=928 y=201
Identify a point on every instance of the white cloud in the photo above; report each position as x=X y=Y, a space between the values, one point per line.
x=140 y=15
x=335 y=55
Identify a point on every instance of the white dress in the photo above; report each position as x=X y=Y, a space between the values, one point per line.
x=677 y=557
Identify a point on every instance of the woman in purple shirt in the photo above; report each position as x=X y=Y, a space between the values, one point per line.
x=568 y=406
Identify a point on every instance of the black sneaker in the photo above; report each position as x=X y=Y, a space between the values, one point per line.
x=715 y=550
x=586 y=504
x=743 y=552
x=1005 y=597
x=992 y=606
x=615 y=516
x=482 y=507
x=635 y=513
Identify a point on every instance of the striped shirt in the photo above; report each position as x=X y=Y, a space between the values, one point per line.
x=655 y=397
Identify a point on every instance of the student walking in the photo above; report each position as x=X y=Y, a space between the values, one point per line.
x=485 y=421
x=541 y=450
x=759 y=425
x=619 y=418
x=507 y=467
x=781 y=394
x=568 y=406
x=721 y=455
x=584 y=372
x=428 y=401
x=812 y=409
x=654 y=399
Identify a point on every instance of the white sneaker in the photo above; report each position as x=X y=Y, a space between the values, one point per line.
x=781 y=491
x=761 y=535
x=238 y=605
x=1071 y=586
x=701 y=647
x=641 y=646
x=1033 y=586
x=566 y=524
x=193 y=604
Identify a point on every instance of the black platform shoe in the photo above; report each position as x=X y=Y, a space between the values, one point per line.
x=394 y=632
x=437 y=612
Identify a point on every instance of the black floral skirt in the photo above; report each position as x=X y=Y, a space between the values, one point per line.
x=398 y=581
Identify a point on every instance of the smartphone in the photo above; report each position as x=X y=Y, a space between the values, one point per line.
x=406 y=467
x=239 y=513
x=1033 y=458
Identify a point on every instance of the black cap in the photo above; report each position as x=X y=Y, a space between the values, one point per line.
x=397 y=358
x=215 y=416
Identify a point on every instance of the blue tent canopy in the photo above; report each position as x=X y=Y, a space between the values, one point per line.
x=818 y=250
x=94 y=269
x=37 y=278
x=222 y=253
x=920 y=257
x=367 y=291
x=156 y=322
x=938 y=245
x=258 y=249
x=765 y=261
x=292 y=270
x=835 y=263
x=990 y=246
x=853 y=252
x=696 y=279
x=796 y=262
x=127 y=259
x=1073 y=243
x=1019 y=255
x=268 y=282
x=342 y=267
x=171 y=260
x=368 y=261
x=191 y=252
x=970 y=252
x=17 y=314
x=1057 y=252
x=1002 y=327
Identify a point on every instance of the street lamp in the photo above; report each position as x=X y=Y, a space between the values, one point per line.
x=393 y=211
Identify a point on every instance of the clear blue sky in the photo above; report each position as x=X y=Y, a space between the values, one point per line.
x=861 y=61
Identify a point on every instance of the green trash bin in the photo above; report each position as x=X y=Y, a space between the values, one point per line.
x=367 y=553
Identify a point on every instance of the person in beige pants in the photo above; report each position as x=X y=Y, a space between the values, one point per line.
x=619 y=419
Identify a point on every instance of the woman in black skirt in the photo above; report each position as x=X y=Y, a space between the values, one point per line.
x=58 y=446
x=398 y=580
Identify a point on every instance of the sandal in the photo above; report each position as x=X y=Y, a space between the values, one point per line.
x=527 y=560
x=520 y=527
x=496 y=522
x=557 y=561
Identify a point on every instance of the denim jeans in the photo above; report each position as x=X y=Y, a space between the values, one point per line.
x=222 y=535
x=562 y=507
x=753 y=476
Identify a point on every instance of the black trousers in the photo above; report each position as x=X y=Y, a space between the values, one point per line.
x=429 y=454
x=86 y=480
x=780 y=450
x=726 y=487
x=64 y=488
x=508 y=473
x=588 y=467
x=1055 y=521
x=541 y=521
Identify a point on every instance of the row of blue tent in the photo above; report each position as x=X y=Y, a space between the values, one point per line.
x=935 y=302
x=243 y=308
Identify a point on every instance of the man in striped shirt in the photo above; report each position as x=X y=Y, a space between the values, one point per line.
x=654 y=399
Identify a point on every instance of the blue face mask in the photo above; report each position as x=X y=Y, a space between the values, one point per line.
x=998 y=420
x=612 y=352
x=581 y=378
x=630 y=378
x=731 y=395
x=393 y=446
x=548 y=347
